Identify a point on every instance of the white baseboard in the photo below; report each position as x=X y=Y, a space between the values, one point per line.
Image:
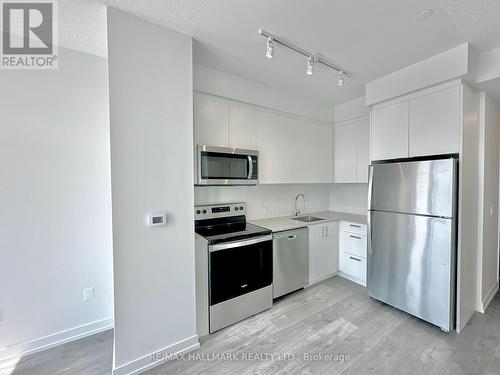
x=489 y=296
x=146 y=362
x=46 y=342
x=352 y=278
x=321 y=280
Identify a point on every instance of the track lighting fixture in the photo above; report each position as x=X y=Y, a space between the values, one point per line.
x=341 y=79
x=270 y=48
x=310 y=65
x=312 y=58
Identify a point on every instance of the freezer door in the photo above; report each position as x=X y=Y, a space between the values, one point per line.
x=418 y=187
x=411 y=265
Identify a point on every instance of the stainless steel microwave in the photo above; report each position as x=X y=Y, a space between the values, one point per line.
x=227 y=166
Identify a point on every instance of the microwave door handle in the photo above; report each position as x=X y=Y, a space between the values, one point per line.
x=250 y=167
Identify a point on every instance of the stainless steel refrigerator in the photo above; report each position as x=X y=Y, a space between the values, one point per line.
x=412 y=237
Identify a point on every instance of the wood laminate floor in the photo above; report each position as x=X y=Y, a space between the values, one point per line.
x=334 y=318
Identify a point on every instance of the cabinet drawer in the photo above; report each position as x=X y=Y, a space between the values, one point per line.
x=354 y=266
x=354 y=244
x=354 y=228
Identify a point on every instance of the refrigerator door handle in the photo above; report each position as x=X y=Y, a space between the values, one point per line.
x=369 y=232
x=369 y=248
x=370 y=186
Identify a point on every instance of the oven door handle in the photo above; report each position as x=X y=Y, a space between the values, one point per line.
x=231 y=245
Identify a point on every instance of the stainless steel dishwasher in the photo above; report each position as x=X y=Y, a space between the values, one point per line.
x=290 y=261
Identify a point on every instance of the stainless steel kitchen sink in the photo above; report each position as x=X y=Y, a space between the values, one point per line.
x=306 y=219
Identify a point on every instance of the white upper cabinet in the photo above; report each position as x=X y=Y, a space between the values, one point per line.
x=317 y=159
x=291 y=149
x=242 y=126
x=344 y=153
x=268 y=143
x=211 y=121
x=435 y=123
x=389 y=132
x=362 y=150
x=292 y=165
x=350 y=152
x=424 y=123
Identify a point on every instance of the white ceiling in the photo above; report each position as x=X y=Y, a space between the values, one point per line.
x=369 y=38
x=478 y=20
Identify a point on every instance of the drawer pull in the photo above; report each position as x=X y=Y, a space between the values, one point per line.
x=244 y=286
x=356 y=237
x=355 y=226
x=356 y=259
x=292 y=237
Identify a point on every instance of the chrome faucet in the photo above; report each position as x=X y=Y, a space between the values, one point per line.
x=297 y=211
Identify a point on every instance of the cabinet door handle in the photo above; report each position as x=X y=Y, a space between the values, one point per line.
x=356 y=237
x=355 y=225
x=326 y=231
x=356 y=259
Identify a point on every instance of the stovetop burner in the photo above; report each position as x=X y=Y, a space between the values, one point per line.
x=223 y=223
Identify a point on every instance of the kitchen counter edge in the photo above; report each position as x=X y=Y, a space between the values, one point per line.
x=283 y=223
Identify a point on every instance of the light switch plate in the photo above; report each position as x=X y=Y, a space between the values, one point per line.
x=88 y=293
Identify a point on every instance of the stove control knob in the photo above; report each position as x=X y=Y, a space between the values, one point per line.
x=198 y=212
x=241 y=208
x=204 y=211
x=236 y=208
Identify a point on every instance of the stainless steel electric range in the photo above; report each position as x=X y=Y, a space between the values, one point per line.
x=234 y=266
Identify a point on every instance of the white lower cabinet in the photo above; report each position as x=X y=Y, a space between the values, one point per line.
x=353 y=251
x=353 y=266
x=323 y=251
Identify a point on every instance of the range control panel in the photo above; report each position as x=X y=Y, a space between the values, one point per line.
x=219 y=210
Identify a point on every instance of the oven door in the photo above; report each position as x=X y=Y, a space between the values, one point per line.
x=227 y=166
x=239 y=267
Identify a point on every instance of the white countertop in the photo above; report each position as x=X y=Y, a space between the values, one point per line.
x=278 y=224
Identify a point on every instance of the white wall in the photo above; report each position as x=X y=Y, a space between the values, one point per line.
x=351 y=110
x=151 y=99
x=457 y=62
x=264 y=200
x=489 y=169
x=211 y=81
x=55 y=199
x=351 y=198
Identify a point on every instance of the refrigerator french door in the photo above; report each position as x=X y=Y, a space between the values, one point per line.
x=412 y=238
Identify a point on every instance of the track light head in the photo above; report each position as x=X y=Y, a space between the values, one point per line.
x=270 y=48
x=341 y=78
x=310 y=65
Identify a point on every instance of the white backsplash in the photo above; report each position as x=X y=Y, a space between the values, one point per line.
x=264 y=200
x=351 y=198
x=271 y=200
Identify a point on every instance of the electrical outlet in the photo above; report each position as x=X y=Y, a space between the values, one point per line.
x=88 y=293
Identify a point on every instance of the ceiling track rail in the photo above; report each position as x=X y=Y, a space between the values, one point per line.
x=315 y=56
